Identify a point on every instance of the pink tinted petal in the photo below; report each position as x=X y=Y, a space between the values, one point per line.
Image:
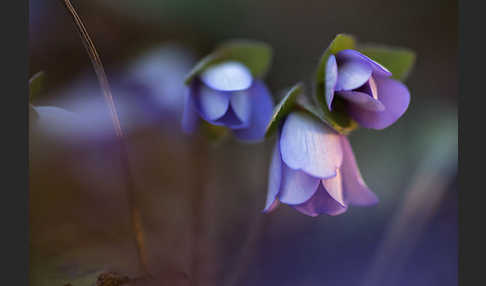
x=352 y=74
x=362 y=99
x=395 y=97
x=227 y=76
x=321 y=203
x=190 y=118
x=211 y=104
x=261 y=112
x=369 y=88
x=307 y=144
x=378 y=69
x=356 y=192
x=331 y=79
x=274 y=179
x=272 y=207
x=296 y=186
x=334 y=187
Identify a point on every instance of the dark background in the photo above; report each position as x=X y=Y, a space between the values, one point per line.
x=78 y=212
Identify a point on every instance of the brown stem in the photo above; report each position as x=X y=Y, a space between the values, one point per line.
x=130 y=188
x=198 y=214
x=248 y=250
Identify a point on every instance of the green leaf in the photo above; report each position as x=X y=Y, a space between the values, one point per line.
x=201 y=66
x=257 y=56
x=399 y=61
x=337 y=119
x=340 y=42
x=283 y=108
x=37 y=84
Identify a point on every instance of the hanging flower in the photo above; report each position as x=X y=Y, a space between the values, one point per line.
x=313 y=169
x=372 y=98
x=226 y=89
x=228 y=95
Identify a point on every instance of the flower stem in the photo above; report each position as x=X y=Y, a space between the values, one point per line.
x=198 y=257
x=135 y=215
x=248 y=251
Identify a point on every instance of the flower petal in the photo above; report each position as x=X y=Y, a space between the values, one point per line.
x=227 y=76
x=363 y=100
x=356 y=192
x=378 y=69
x=211 y=104
x=334 y=187
x=241 y=105
x=331 y=79
x=369 y=88
x=230 y=120
x=190 y=118
x=395 y=97
x=308 y=145
x=272 y=207
x=296 y=186
x=261 y=111
x=352 y=74
x=321 y=203
x=274 y=179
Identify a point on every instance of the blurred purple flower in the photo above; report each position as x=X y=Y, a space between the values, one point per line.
x=374 y=99
x=156 y=77
x=313 y=169
x=228 y=95
x=148 y=91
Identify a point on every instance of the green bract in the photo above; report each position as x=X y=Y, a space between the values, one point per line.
x=37 y=84
x=325 y=118
x=255 y=55
x=283 y=108
x=398 y=61
x=337 y=119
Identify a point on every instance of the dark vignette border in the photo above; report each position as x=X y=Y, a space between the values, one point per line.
x=14 y=118
x=14 y=121
x=471 y=122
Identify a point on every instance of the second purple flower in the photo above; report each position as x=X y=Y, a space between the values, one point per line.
x=226 y=89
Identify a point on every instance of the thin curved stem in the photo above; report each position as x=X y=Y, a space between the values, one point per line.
x=135 y=214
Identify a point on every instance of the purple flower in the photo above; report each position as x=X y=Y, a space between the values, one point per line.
x=313 y=169
x=373 y=99
x=228 y=95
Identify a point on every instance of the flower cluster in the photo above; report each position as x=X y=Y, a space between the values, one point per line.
x=313 y=168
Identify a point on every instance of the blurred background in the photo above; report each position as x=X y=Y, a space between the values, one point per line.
x=79 y=216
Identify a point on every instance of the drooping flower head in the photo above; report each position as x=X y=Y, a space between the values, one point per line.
x=157 y=76
x=313 y=169
x=372 y=98
x=226 y=89
x=358 y=85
